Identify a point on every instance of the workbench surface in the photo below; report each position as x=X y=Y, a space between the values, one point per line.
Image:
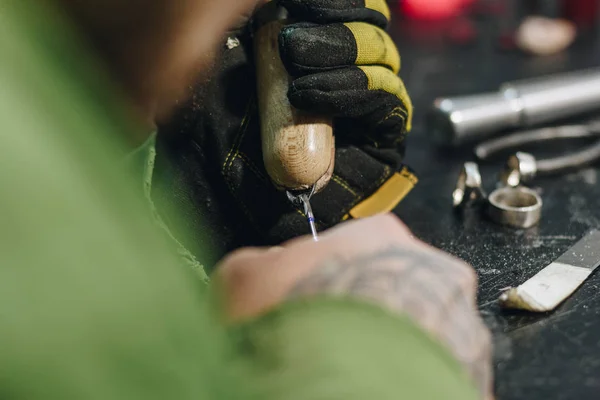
x=550 y=356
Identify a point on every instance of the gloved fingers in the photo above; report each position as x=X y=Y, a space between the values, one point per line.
x=361 y=186
x=372 y=93
x=307 y=47
x=376 y=12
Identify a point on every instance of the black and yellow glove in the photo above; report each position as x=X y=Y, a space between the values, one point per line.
x=347 y=65
x=344 y=64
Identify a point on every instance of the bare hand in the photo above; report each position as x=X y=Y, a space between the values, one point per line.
x=374 y=260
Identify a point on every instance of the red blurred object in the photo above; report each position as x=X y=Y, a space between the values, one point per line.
x=582 y=12
x=462 y=31
x=433 y=9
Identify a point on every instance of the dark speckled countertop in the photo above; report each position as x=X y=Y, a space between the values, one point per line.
x=551 y=356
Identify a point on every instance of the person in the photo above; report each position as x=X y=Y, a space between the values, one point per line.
x=207 y=158
x=94 y=299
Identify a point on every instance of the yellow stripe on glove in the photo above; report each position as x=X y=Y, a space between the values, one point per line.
x=374 y=46
x=381 y=78
x=379 y=6
x=387 y=197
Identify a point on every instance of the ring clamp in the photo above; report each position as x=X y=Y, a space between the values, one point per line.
x=518 y=207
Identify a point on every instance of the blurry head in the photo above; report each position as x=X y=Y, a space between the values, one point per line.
x=156 y=48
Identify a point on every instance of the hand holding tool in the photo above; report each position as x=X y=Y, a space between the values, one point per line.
x=298 y=148
x=342 y=64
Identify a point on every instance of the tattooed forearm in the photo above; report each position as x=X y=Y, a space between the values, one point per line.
x=435 y=290
x=392 y=276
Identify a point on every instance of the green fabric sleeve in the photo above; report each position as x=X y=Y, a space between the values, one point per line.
x=142 y=162
x=93 y=302
x=340 y=349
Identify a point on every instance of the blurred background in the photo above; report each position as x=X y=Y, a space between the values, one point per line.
x=466 y=47
x=456 y=47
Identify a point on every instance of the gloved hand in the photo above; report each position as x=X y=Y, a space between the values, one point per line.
x=209 y=156
x=347 y=66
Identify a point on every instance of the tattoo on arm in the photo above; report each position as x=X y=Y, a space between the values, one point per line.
x=435 y=290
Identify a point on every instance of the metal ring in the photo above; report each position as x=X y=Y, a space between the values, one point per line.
x=518 y=207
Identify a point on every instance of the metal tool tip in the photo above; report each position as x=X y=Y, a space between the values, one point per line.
x=304 y=200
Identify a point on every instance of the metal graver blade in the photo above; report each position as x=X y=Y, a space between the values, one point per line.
x=303 y=200
x=559 y=280
x=309 y=214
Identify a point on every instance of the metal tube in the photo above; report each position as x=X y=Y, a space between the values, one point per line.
x=459 y=120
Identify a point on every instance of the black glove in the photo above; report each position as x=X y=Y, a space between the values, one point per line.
x=209 y=156
x=347 y=67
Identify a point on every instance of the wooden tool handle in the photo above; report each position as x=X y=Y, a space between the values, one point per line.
x=298 y=149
